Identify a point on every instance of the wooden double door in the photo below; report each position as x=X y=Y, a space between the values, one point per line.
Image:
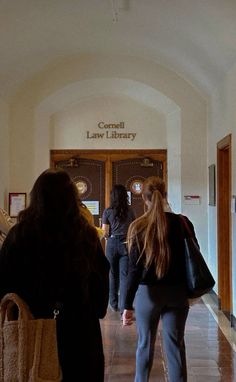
x=96 y=171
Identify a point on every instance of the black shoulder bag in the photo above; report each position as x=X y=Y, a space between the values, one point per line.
x=198 y=276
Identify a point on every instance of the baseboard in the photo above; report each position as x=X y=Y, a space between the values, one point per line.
x=228 y=315
x=233 y=321
x=215 y=299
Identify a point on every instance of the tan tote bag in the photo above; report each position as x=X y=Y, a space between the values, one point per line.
x=28 y=346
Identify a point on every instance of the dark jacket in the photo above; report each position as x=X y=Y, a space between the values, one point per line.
x=44 y=268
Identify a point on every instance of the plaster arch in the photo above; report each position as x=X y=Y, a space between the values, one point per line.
x=26 y=104
x=80 y=67
x=88 y=89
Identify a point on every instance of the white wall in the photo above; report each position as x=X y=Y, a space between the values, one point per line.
x=4 y=154
x=222 y=121
x=70 y=127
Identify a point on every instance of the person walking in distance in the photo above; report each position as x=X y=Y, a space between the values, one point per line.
x=115 y=222
x=5 y=225
x=158 y=280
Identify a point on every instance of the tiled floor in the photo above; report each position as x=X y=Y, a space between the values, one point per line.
x=211 y=355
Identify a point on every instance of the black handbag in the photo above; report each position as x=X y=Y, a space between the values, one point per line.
x=198 y=276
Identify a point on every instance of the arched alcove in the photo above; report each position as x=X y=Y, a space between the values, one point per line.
x=86 y=91
x=81 y=79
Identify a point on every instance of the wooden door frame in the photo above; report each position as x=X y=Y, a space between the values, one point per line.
x=108 y=156
x=224 y=234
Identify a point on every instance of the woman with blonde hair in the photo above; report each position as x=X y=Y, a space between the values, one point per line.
x=157 y=278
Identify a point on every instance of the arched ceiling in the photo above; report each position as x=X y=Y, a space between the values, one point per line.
x=79 y=91
x=195 y=38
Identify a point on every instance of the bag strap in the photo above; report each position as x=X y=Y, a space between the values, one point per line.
x=11 y=300
x=8 y=304
x=186 y=230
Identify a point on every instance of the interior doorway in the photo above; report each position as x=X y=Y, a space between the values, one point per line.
x=95 y=171
x=224 y=224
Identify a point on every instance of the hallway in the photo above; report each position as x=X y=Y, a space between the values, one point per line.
x=210 y=344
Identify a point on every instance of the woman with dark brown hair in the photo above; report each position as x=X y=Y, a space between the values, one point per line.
x=158 y=280
x=115 y=223
x=54 y=256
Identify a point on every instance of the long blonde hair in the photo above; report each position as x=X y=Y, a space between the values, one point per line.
x=149 y=232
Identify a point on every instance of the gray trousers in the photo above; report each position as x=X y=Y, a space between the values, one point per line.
x=170 y=304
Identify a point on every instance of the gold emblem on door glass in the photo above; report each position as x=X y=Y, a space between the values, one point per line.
x=82 y=187
x=136 y=187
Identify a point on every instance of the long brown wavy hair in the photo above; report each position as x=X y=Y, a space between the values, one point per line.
x=149 y=232
x=119 y=201
x=55 y=221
